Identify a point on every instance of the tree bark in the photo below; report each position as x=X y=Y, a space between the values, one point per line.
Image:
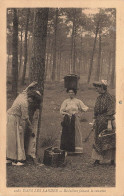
x=15 y=53
x=38 y=58
x=25 y=48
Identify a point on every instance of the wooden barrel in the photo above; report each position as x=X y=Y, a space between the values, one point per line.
x=54 y=157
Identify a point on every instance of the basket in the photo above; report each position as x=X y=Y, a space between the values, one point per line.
x=54 y=157
x=71 y=81
x=107 y=139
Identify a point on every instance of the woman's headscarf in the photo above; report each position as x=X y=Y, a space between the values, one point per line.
x=32 y=86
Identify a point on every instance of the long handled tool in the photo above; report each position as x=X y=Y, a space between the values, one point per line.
x=86 y=139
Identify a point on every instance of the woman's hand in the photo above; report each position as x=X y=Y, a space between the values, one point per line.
x=65 y=113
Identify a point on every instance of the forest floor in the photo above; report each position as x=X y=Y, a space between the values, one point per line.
x=79 y=170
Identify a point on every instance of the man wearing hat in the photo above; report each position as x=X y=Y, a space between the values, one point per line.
x=104 y=111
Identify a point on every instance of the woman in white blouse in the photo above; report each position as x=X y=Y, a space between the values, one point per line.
x=71 y=138
x=17 y=121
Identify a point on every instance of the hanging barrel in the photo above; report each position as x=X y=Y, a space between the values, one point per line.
x=71 y=81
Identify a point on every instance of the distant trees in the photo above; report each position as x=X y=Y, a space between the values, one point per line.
x=112 y=33
x=93 y=51
x=46 y=44
x=15 y=53
x=102 y=23
x=55 y=44
x=98 y=66
x=77 y=42
x=25 y=47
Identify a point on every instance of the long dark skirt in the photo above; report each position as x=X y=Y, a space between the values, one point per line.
x=68 y=134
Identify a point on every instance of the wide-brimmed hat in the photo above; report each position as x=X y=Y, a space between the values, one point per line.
x=100 y=83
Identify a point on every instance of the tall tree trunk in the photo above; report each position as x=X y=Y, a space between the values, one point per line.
x=72 y=67
x=20 y=60
x=109 y=66
x=112 y=83
x=74 y=48
x=49 y=72
x=93 y=51
x=32 y=49
x=38 y=58
x=80 y=56
x=54 y=47
x=8 y=60
x=102 y=66
x=72 y=41
x=113 y=75
x=29 y=53
x=15 y=54
x=59 y=65
x=51 y=60
x=25 y=48
x=60 y=59
x=46 y=67
x=97 y=77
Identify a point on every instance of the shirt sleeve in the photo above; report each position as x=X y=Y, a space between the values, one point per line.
x=63 y=107
x=96 y=108
x=82 y=106
x=24 y=110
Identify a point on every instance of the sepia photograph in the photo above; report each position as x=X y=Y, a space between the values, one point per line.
x=61 y=97
x=60 y=90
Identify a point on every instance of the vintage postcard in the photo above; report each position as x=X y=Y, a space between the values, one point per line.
x=61 y=97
